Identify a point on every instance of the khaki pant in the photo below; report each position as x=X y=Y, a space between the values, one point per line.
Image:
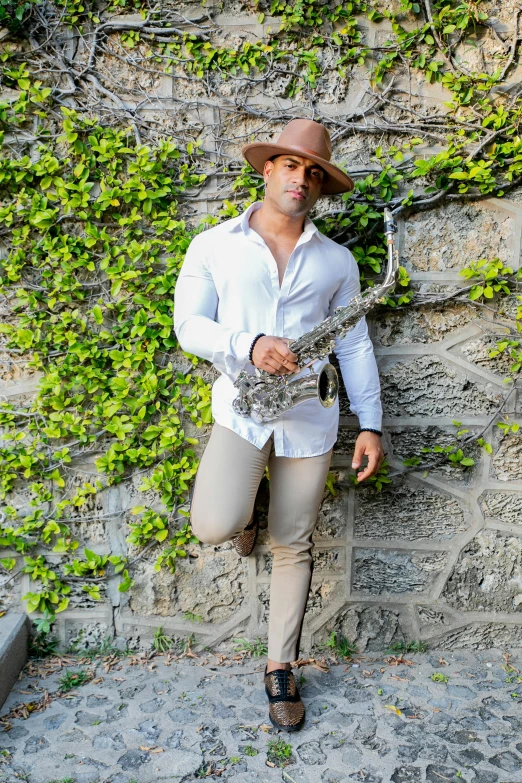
x=225 y=489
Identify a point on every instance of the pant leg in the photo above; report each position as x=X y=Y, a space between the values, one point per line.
x=226 y=485
x=296 y=489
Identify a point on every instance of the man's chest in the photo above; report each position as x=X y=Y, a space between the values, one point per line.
x=252 y=271
x=281 y=252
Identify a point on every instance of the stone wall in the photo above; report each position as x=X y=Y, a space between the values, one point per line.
x=437 y=554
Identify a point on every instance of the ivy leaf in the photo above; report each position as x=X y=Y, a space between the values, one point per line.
x=161 y=535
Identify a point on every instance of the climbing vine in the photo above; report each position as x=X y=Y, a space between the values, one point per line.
x=97 y=209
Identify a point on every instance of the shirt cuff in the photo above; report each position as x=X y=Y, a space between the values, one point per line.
x=373 y=421
x=241 y=345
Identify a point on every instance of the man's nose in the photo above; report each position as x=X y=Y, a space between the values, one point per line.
x=300 y=178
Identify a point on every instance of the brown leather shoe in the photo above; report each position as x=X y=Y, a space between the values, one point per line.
x=244 y=542
x=285 y=708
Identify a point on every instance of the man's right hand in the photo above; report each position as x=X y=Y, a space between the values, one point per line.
x=273 y=355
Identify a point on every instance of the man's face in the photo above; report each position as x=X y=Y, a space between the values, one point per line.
x=293 y=183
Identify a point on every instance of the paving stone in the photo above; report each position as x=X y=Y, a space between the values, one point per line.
x=311 y=753
x=96 y=700
x=17 y=732
x=152 y=706
x=473 y=723
x=88 y=718
x=352 y=757
x=253 y=713
x=508 y=761
x=433 y=750
x=133 y=759
x=333 y=776
x=407 y=753
x=108 y=742
x=224 y=711
x=55 y=721
x=182 y=715
x=36 y=745
x=498 y=740
x=469 y=757
x=367 y=776
x=174 y=740
x=320 y=708
x=407 y=775
x=75 y=735
x=485 y=777
x=436 y=772
x=117 y=713
x=132 y=691
x=299 y=775
x=334 y=739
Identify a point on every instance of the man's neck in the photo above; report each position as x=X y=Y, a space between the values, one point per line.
x=270 y=221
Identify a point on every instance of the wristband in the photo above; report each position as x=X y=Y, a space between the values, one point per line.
x=369 y=429
x=254 y=341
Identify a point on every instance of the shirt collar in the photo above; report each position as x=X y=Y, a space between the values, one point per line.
x=240 y=223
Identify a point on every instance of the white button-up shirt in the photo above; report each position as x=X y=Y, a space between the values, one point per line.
x=228 y=291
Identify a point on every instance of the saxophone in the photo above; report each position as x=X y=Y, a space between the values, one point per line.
x=265 y=396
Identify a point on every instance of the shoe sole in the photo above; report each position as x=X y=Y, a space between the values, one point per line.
x=295 y=727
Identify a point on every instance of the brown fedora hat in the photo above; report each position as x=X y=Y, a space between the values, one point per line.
x=308 y=139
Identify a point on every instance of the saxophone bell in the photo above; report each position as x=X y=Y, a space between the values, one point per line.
x=322 y=386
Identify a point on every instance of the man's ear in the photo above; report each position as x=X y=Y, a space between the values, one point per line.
x=268 y=167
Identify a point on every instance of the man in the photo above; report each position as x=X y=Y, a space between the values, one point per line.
x=247 y=286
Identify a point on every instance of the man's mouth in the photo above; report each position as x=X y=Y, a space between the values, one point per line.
x=297 y=194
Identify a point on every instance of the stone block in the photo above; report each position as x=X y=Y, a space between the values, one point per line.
x=213 y=585
x=82 y=635
x=477 y=349
x=332 y=516
x=502 y=506
x=405 y=511
x=450 y=237
x=488 y=574
x=427 y=324
x=479 y=636
x=371 y=628
x=507 y=459
x=377 y=571
x=429 y=386
x=409 y=441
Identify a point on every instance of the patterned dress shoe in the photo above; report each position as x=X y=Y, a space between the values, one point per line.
x=285 y=708
x=244 y=542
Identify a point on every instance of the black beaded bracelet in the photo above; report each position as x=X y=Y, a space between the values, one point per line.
x=254 y=341
x=369 y=429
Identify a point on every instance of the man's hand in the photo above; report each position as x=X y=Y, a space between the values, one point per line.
x=369 y=444
x=273 y=355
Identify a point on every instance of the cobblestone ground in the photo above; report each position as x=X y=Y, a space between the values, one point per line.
x=433 y=717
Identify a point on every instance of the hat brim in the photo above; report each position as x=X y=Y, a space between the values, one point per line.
x=258 y=153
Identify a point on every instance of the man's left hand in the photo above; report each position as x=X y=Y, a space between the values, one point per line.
x=368 y=444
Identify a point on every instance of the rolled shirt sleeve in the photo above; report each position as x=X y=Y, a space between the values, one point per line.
x=195 y=309
x=356 y=357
